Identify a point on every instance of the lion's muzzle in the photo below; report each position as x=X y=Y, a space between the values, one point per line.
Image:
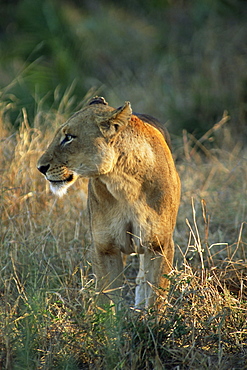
x=44 y=169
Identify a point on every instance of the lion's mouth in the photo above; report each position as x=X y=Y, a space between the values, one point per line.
x=64 y=181
x=59 y=187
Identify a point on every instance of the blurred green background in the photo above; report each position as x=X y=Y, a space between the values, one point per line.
x=182 y=61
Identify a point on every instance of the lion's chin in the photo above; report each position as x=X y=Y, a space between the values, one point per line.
x=60 y=188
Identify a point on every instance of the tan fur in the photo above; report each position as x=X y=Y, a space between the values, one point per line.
x=134 y=192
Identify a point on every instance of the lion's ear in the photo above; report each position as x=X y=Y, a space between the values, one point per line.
x=97 y=100
x=122 y=115
x=116 y=120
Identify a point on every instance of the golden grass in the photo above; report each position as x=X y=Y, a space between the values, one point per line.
x=48 y=315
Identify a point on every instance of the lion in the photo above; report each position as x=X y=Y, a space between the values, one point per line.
x=133 y=193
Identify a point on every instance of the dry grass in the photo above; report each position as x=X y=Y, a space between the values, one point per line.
x=48 y=315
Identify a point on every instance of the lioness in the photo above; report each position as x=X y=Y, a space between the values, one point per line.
x=133 y=192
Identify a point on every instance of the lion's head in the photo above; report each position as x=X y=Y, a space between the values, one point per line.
x=83 y=146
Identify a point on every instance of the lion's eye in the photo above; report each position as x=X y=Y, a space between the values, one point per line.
x=68 y=138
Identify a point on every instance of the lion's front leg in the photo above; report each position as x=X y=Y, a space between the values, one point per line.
x=108 y=268
x=151 y=280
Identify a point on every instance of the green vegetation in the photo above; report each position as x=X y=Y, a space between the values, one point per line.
x=184 y=62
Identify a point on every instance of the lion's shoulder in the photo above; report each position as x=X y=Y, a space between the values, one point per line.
x=154 y=122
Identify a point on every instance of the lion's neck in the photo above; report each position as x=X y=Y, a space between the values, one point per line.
x=122 y=186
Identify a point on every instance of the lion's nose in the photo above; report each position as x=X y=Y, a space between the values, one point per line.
x=43 y=169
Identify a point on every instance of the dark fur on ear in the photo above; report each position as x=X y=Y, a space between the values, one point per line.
x=97 y=100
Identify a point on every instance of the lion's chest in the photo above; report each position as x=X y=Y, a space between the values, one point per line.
x=129 y=227
x=120 y=215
